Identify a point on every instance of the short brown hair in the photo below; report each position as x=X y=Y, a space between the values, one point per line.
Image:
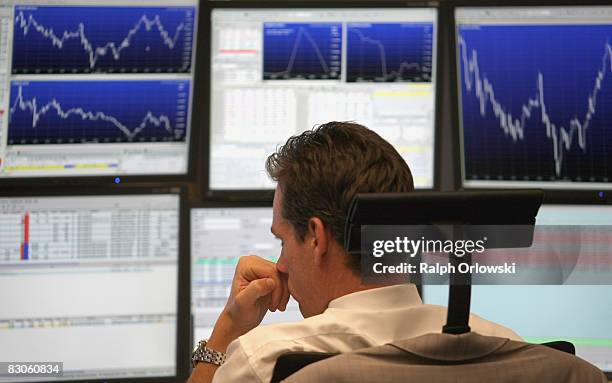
x=321 y=170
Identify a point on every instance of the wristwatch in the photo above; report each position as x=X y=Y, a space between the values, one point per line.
x=201 y=353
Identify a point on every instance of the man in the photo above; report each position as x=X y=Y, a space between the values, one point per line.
x=318 y=173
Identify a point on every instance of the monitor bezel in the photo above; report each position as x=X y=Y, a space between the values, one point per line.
x=183 y=348
x=229 y=204
x=206 y=23
x=581 y=194
x=199 y=96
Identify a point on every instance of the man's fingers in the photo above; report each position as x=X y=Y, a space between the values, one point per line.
x=255 y=290
x=277 y=293
x=251 y=268
x=285 y=296
x=285 y=301
x=280 y=294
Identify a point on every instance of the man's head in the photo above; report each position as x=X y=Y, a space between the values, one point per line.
x=318 y=174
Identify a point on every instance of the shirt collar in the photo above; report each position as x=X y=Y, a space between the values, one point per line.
x=379 y=298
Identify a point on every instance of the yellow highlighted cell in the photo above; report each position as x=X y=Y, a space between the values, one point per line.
x=403 y=93
x=413 y=149
x=21 y=168
x=91 y=166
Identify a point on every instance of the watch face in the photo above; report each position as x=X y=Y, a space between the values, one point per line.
x=193 y=354
x=195 y=349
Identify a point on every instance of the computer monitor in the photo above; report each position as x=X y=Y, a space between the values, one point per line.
x=576 y=313
x=533 y=84
x=92 y=282
x=219 y=237
x=96 y=87
x=278 y=72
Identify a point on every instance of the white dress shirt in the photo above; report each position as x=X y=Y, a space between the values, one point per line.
x=362 y=319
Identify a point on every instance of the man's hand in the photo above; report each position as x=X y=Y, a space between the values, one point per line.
x=256 y=288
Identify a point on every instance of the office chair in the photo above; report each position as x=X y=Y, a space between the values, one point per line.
x=452 y=358
x=291 y=362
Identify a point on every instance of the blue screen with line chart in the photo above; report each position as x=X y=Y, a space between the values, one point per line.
x=299 y=50
x=92 y=88
x=138 y=39
x=115 y=111
x=533 y=85
x=386 y=52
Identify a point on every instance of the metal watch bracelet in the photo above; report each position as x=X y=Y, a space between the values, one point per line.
x=204 y=354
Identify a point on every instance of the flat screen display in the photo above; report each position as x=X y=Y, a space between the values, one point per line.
x=534 y=84
x=278 y=72
x=91 y=282
x=576 y=313
x=96 y=87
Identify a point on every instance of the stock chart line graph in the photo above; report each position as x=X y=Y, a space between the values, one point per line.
x=102 y=39
x=66 y=112
x=530 y=111
x=386 y=52
x=302 y=51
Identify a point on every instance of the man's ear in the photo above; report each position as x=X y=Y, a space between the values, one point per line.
x=320 y=237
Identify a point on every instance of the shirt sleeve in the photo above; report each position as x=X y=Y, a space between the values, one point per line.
x=237 y=367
